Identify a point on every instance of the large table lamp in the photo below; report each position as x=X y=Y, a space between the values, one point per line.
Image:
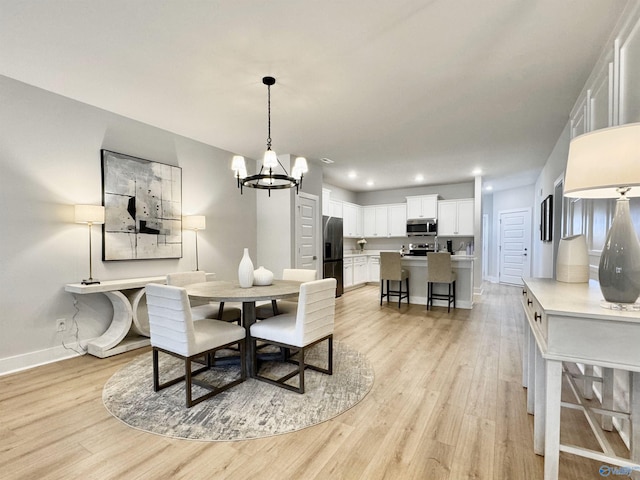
x=606 y=164
x=194 y=222
x=89 y=214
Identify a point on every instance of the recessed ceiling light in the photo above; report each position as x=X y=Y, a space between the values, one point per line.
x=352 y=174
x=488 y=187
x=419 y=178
x=369 y=183
x=326 y=160
x=477 y=171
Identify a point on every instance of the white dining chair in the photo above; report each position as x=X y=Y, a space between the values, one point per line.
x=274 y=307
x=201 y=310
x=174 y=332
x=312 y=323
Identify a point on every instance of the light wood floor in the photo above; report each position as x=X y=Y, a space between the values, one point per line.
x=447 y=403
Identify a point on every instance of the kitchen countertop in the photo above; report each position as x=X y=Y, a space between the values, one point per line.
x=376 y=253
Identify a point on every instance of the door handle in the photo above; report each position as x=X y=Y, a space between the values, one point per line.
x=315 y=257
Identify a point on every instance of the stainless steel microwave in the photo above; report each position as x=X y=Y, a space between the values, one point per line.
x=421 y=227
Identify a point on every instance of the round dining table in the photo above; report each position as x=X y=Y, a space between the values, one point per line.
x=225 y=291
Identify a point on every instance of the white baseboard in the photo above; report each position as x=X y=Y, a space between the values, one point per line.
x=29 y=360
x=492 y=279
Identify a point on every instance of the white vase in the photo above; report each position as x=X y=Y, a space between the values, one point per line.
x=262 y=276
x=245 y=270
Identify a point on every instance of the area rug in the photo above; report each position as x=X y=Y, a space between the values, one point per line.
x=252 y=409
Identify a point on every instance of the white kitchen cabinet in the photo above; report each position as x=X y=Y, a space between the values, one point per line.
x=375 y=221
x=455 y=218
x=335 y=209
x=374 y=269
x=422 y=206
x=347 y=272
x=385 y=221
x=397 y=220
x=360 y=270
x=326 y=202
x=352 y=220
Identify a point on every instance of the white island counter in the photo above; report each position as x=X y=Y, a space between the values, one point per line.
x=418 y=267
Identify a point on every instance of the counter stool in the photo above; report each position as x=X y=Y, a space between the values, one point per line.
x=439 y=271
x=391 y=270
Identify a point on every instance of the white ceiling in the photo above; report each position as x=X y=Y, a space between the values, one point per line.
x=385 y=88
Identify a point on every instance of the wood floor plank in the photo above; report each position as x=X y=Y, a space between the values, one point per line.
x=446 y=404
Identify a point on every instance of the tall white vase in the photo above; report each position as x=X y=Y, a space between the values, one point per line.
x=245 y=270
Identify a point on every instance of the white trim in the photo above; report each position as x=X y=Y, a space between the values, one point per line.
x=29 y=360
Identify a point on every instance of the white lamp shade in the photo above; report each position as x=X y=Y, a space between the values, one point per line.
x=270 y=159
x=299 y=168
x=601 y=161
x=194 y=222
x=572 y=264
x=89 y=214
x=238 y=164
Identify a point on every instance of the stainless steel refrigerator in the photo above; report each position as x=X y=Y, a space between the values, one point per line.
x=332 y=251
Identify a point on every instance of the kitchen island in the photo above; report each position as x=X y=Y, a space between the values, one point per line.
x=417 y=266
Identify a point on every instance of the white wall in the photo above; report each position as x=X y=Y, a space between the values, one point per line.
x=543 y=252
x=50 y=160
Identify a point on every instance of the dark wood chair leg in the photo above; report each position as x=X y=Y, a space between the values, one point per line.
x=381 y=291
x=156 y=373
x=407 y=280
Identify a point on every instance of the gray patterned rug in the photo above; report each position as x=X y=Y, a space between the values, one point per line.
x=252 y=409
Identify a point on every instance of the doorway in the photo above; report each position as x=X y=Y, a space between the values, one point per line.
x=307 y=244
x=515 y=245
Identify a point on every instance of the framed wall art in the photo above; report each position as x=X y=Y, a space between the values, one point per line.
x=546 y=219
x=143 y=208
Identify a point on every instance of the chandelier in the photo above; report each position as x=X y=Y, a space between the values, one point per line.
x=267 y=178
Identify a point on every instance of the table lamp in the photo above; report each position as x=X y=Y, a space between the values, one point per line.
x=606 y=164
x=195 y=223
x=89 y=214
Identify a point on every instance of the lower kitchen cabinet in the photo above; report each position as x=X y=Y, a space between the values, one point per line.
x=347 y=272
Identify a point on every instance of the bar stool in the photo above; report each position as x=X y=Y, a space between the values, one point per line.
x=391 y=270
x=439 y=271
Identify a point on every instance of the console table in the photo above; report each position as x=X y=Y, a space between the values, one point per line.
x=129 y=327
x=565 y=323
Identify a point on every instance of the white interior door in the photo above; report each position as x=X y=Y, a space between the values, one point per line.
x=307 y=232
x=515 y=245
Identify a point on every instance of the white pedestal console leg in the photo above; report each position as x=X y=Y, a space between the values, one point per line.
x=531 y=373
x=552 y=419
x=539 y=421
x=113 y=340
x=635 y=421
x=140 y=318
x=607 y=397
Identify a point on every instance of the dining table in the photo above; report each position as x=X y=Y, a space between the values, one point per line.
x=228 y=291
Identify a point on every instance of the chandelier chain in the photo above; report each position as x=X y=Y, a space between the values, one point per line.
x=268 y=117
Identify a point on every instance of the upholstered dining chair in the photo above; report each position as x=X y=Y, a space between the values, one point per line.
x=312 y=323
x=275 y=307
x=439 y=271
x=201 y=309
x=174 y=332
x=391 y=271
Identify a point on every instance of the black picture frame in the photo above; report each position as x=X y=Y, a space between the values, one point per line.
x=143 y=208
x=546 y=219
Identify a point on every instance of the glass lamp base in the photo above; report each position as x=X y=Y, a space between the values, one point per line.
x=619 y=271
x=626 y=307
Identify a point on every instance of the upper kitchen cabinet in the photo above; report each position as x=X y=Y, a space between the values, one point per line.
x=455 y=218
x=352 y=220
x=375 y=221
x=422 y=206
x=385 y=220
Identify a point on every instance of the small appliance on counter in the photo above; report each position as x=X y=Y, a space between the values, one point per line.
x=420 y=249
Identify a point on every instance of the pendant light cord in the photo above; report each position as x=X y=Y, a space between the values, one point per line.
x=269 y=117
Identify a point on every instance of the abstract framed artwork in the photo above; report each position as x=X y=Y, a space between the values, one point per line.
x=143 y=208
